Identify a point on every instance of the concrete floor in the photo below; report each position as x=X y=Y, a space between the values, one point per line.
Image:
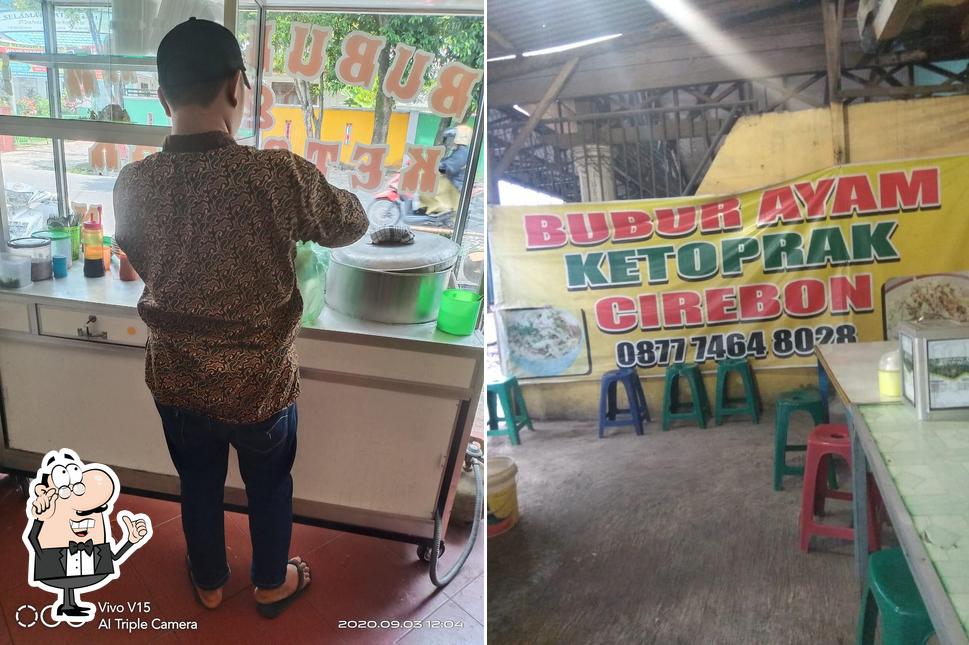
x=674 y=537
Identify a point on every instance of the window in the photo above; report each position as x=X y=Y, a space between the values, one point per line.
x=80 y=64
x=312 y=108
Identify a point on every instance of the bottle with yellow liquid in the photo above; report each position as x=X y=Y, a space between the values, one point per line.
x=92 y=237
x=890 y=375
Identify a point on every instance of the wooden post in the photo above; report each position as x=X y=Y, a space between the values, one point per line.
x=832 y=11
x=839 y=133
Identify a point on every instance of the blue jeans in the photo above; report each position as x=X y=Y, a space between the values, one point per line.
x=199 y=447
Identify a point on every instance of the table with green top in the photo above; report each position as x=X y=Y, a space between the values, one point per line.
x=922 y=471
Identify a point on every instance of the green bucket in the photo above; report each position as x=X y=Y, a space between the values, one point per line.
x=459 y=311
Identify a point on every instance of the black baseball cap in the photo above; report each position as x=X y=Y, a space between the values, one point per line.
x=196 y=51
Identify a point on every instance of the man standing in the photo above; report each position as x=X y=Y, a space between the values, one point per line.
x=211 y=227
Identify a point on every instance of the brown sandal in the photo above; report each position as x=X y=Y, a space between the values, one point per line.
x=274 y=609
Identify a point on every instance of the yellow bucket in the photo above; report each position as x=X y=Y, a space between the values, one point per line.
x=502 y=495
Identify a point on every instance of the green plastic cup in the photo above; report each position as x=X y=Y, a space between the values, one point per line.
x=75 y=232
x=459 y=311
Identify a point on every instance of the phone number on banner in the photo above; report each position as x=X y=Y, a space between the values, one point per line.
x=782 y=343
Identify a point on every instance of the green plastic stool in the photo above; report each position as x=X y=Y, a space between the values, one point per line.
x=806 y=400
x=890 y=592
x=699 y=404
x=726 y=406
x=509 y=393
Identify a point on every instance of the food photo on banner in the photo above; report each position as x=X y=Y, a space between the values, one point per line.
x=837 y=256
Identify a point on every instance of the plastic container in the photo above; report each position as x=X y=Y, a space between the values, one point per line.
x=126 y=272
x=890 y=375
x=38 y=251
x=93 y=240
x=60 y=243
x=502 y=495
x=459 y=311
x=60 y=266
x=75 y=233
x=14 y=271
x=106 y=251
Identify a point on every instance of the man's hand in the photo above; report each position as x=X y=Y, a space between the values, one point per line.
x=43 y=508
x=137 y=529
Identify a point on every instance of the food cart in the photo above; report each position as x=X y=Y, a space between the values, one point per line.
x=386 y=410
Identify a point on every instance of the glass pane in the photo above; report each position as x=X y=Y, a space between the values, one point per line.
x=106 y=66
x=30 y=188
x=247 y=24
x=83 y=30
x=92 y=168
x=127 y=27
x=22 y=27
x=303 y=115
x=471 y=264
x=112 y=94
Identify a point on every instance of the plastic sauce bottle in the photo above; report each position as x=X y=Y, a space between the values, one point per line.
x=92 y=239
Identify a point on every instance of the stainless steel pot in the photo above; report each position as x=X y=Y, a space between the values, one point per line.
x=391 y=284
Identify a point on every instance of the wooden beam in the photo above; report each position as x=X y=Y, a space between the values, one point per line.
x=832 y=12
x=907 y=91
x=793 y=91
x=499 y=38
x=891 y=18
x=533 y=120
x=633 y=135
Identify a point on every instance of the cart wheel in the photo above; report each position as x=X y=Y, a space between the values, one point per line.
x=424 y=551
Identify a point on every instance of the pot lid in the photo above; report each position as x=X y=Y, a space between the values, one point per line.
x=427 y=250
x=28 y=243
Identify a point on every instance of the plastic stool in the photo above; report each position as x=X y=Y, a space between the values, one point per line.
x=891 y=592
x=699 y=404
x=806 y=400
x=609 y=412
x=825 y=441
x=750 y=400
x=509 y=393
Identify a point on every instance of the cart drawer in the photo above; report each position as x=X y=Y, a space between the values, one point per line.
x=81 y=324
x=14 y=316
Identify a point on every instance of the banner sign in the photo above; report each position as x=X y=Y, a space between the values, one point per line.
x=838 y=256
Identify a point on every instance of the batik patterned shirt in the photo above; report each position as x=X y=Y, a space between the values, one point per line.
x=211 y=228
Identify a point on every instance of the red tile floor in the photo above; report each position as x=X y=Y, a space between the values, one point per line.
x=355 y=578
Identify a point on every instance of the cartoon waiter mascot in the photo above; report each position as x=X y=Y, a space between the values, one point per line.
x=68 y=534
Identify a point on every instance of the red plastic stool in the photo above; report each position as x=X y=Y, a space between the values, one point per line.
x=825 y=441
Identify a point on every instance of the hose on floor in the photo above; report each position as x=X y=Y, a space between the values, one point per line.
x=474 y=458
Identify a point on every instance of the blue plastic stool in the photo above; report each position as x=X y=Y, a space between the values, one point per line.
x=610 y=414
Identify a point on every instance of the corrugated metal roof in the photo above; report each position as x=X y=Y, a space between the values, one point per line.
x=539 y=24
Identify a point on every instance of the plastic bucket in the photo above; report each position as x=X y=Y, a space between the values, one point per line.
x=459 y=311
x=502 y=495
x=60 y=243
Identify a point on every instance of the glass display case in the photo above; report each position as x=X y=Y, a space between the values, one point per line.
x=78 y=100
